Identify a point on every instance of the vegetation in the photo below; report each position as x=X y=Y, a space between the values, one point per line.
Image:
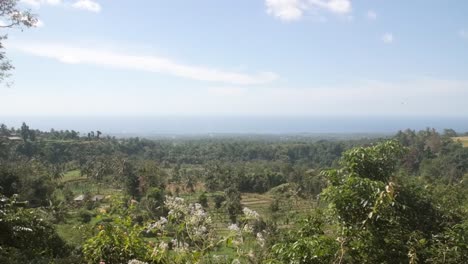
x=68 y=198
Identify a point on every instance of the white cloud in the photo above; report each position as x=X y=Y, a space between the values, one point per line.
x=371 y=15
x=334 y=6
x=387 y=38
x=287 y=10
x=463 y=34
x=38 y=3
x=290 y=10
x=88 y=5
x=74 y=55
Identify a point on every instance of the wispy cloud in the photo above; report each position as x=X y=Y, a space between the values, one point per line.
x=388 y=38
x=38 y=3
x=371 y=15
x=287 y=10
x=88 y=5
x=290 y=10
x=76 y=55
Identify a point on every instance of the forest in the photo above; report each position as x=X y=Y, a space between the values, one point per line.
x=92 y=198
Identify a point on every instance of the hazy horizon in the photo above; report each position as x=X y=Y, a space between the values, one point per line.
x=157 y=125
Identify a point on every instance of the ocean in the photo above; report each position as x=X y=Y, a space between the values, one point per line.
x=185 y=125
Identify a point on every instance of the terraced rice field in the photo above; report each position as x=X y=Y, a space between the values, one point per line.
x=289 y=210
x=262 y=202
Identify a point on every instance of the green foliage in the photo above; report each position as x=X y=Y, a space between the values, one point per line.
x=381 y=221
x=385 y=203
x=26 y=235
x=308 y=244
x=203 y=200
x=150 y=176
x=218 y=200
x=233 y=203
x=27 y=179
x=153 y=202
x=375 y=163
x=85 y=216
x=448 y=167
x=131 y=180
x=9 y=181
x=115 y=243
x=274 y=206
x=451 y=246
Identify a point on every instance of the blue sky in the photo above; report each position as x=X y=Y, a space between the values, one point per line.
x=243 y=57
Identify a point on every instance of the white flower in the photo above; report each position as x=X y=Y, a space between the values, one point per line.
x=179 y=246
x=176 y=206
x=22 y=228
x=134 y=261
x=198 y=206
x=233 y=227
x=260 y=239
x=194 y=219
x=251 y=214
x=247 y=228
x=159 y=225
x=163 y=246
x=200 y=231
x=163 y=220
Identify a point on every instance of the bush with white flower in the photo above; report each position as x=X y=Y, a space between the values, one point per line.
x=190 y=228
x=185 y=235
x=246 y=238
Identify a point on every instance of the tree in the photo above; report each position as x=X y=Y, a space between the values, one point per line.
x=218 y=200
x=25 y=236
x=377 y=216
x=307 y=245
x=12 y=17
x=4 y=130
x=25 y=131
x=9 y=181
x=131 y=180
x=233 y=203
x=116 y=242
x=381 y=218
x=150 y=175
x=203 y=200
x=448 y=132
x=30 y=180
x=153 y=202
